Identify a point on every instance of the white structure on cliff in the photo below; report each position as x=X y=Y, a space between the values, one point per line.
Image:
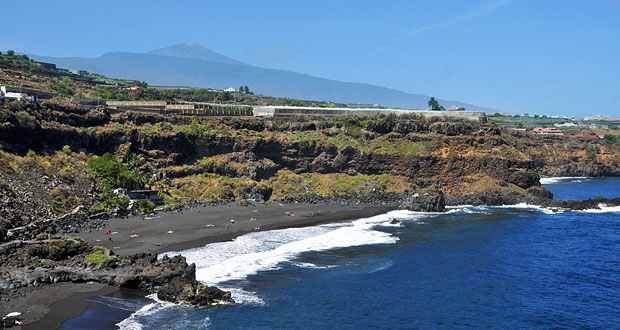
x=290 y=111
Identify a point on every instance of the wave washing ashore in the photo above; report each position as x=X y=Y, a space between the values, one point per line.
x=472 y=267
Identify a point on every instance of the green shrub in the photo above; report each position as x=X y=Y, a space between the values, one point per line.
x=612 y=139
x=64 y=87
x=42 y=236
x=31 y=153
x=145 y=205
x=120 y=201
x=60 y=206
x=67 y=149
x=209 y=164
x=97 y=256
x=114 y=173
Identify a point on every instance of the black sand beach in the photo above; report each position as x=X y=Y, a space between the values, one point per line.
x=48 y=306
x=177 y=231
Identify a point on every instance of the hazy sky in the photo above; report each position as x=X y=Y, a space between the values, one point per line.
x=536 y=56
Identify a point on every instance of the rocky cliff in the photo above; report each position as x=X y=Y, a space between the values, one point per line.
x=46 y=147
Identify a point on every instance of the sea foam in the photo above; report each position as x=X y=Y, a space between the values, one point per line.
x=546 y=210
x=132 y=323
x=219 y=263
x=560 y=179
x=603 y=208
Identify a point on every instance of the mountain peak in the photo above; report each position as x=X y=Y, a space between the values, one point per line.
x=192 y=49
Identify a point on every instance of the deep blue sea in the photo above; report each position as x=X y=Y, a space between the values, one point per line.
x=516 y=267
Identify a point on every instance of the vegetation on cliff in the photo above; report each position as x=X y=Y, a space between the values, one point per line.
x=58 y=159
x=209 y=159
x=98 y=255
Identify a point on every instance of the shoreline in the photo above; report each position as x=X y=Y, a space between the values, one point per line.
x=48 y=306
x=190 y=231
x=181 y=230
x=175 y=231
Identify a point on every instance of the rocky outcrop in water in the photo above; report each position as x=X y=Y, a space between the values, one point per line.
x=186 y=289
x=495 y=198
x=588 y=204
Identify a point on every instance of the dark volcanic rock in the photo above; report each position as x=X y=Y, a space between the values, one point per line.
x=499 y=198
x=539 y=191
x=182 y=289
x=524 y=178
x=27 y=263
x=589 y=204
x=427 y=202
x=494 y=198
x=56 y=249
x=256 y=192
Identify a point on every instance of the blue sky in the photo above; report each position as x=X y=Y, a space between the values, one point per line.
x=523 y=56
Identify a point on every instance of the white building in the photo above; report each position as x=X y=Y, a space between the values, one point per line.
x=11 y=95
x=230 y=89
x=566 y=125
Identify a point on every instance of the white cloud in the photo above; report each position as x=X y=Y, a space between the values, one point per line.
x=481 y=10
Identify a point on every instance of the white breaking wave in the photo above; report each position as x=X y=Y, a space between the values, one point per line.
x=546 y=210
x=560 y=179
x=222 y=264
x=310 y=265
x=119 y=303
x=450 y=207
x=131 y=323
x=219 y=263
x=467 y=209
x=603 y=209
x=262 y=251
x=243 y=297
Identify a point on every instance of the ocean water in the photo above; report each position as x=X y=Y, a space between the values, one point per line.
x=582 y=188
x=518 y=267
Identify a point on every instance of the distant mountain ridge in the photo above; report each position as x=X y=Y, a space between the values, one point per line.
x=192 y=49
x=190 y=64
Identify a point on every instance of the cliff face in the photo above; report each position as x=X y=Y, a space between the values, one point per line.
x=165 y=149
x=562 y=156
x=222 y=158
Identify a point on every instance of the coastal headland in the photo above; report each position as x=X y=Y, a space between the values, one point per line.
x=89 y=197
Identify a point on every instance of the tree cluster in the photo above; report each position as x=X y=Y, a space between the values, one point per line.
x=244 y=90
x=114 y=173
x=434 y=104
